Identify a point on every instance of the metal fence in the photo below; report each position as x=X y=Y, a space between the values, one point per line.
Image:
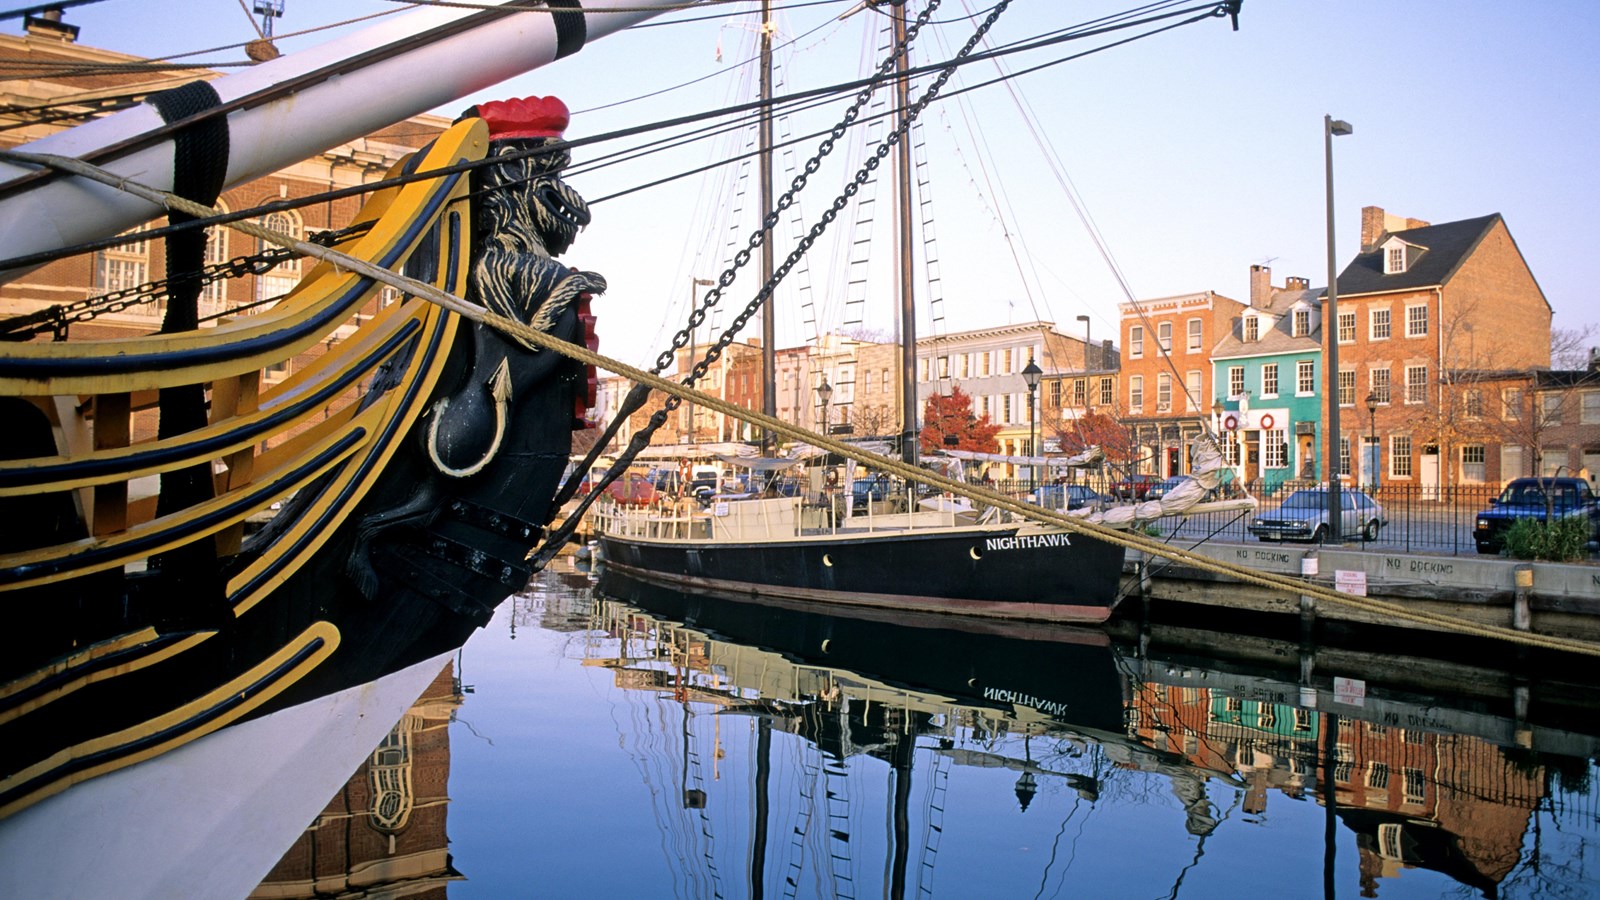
x=1419 y=519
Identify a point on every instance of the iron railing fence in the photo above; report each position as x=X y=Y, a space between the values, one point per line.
x=1419 y=518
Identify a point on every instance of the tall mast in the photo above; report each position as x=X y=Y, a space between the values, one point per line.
x=908 y=324
x=769 y=345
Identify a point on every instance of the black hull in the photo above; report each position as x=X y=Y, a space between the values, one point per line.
x=977 y=572
x=1068 y=673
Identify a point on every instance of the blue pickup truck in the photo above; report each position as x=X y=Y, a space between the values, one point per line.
x=1531 y=498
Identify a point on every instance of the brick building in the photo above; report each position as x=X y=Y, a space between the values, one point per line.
x=1167 y=379
x=1418 y=307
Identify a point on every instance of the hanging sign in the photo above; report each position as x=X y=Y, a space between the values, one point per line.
x=1266 y=421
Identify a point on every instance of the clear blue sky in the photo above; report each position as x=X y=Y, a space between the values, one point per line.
x=1197 y=152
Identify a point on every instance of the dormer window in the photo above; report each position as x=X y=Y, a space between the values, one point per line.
x=1394 y=257
x=1252 y=329
x=1302 y=322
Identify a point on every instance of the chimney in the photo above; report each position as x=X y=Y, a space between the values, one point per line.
x=1260 y=286
x=1296 y=283
x=1594 y=359
x=48 y=24
x=1371 y=227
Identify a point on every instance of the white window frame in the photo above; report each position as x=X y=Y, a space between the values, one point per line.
x=1164 y=336
x=1416 y=384
x=1416 y=320
x=1196 y=336
x=1302 y=322
x=1347 y=327
x=1136 y=342
x=1235 y=382
x=1305 y=377
x=1136 y=393
x=1380 y=324
x=1252 y=329
x=1394 y=259
x=1269 y=380
x=1380 y=382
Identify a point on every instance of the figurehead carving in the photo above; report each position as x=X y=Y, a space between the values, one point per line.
x=496 y=443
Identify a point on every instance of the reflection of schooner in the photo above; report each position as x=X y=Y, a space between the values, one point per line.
x=1451 y=780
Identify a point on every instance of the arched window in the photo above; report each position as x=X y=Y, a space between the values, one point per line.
x=125 y=266
x=285 y=275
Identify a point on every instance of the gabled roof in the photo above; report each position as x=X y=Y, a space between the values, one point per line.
x=1277 y=337
x=1445 y=248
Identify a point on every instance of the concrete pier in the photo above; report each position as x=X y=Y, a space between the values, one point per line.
x=1560 y=599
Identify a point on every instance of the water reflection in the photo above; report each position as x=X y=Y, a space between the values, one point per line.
x=1436 y=766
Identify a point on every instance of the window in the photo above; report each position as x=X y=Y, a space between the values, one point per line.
x=1005 y=408
x=1236 y=381
x=1080 y=391
x=1472 y=403
x=1347 y=328
x=1269 y=380
x=1305 y=377
x=1378 y=775
x=886 y=384
x=866 y=380
x=1106 y=395
x=1415 y=785
x=282 y=278
x=985 y=364
x=1389 y=841
x=1550 y=406
x=1164 y=336
x=1252 y=329
x=1511 y=404
x=1400 y=456
x=215 y=291
x=1394 y=261
x=1163 y=392
x=1302 y=322
x=1136 y=341
x=1276 y=451
x=1344 y=457
x=1474 y=463
x=1378 y=325
x=1194 y=335
x=1005 y=361
x=944 y=367
x=125 y=266
x=964 y=365
x=1055 y=392
x=1511 y=463
x=1191 y=389
x=1347 y=387
x=1417 y=320
x=922 y=368
x=1416 y=384
x=1590 y=413
x=1136 y=392
x=1378 y=383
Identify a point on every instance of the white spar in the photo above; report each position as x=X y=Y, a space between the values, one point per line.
x=265 y=138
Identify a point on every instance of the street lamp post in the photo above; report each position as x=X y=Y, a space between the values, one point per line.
x=825 y=394
x=1088 y=343
x=1372 y=442
x=1031 y=375
x=1331 y=127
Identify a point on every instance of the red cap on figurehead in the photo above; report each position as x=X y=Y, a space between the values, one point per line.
x=528 y=117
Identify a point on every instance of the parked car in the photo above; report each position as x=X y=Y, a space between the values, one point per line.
x=1134 y=487
x=864 y=490
x=1303 y=516
x=1534 y=498
x=1225 y=488
x=1067 y=496
x=1160 y=488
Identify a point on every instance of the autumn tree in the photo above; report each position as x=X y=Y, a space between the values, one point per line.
x=951 y=414
x=1097 y=429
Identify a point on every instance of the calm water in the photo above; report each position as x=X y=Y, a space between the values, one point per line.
x=690 y=747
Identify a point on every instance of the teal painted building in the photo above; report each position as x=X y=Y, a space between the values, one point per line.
x=1268 y=370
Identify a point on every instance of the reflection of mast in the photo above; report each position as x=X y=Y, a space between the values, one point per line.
x=758 y=842
x=905 y=751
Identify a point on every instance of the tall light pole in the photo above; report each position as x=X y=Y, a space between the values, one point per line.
x=1088 y=343
x=1031 y=375
x=693 y=331
x=825 y=393
x=1331 y=127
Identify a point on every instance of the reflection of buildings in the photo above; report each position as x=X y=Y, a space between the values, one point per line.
x=384 y=833
x=1452 y=803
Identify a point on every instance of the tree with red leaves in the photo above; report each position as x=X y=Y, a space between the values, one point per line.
x=951 y=414
x=1096 y=429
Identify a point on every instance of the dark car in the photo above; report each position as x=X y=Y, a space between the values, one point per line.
x=1534 y=498
x=865 y=490
x=1067 y=496
x=1134 y=487
x=1303 y=516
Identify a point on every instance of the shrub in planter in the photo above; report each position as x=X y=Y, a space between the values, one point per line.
x=1564 y=540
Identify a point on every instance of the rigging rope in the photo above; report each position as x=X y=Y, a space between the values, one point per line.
x=977 y=493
